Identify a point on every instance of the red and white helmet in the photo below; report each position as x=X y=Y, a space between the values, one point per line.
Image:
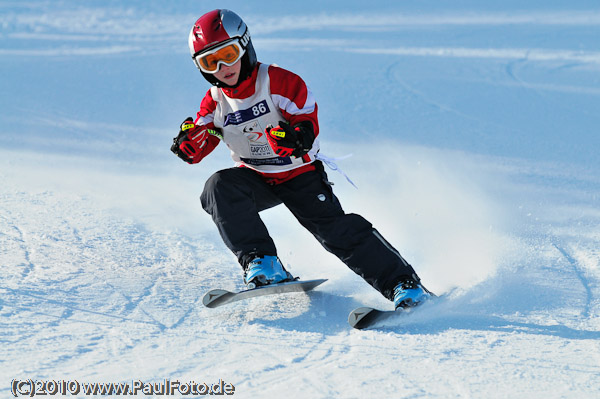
x=221 y=37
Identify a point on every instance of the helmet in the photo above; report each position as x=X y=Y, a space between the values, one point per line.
x=213 y=30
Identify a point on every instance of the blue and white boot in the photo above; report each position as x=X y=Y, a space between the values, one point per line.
x=265 y=270
x=410 y=293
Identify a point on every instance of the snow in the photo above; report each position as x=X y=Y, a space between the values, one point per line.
x=473 y=128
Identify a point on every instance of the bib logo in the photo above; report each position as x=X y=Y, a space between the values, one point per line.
x=253 y=132
x=259 y=148
x=248 y=114
x=261 y=151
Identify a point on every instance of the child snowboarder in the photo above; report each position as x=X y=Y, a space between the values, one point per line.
x=267 y=116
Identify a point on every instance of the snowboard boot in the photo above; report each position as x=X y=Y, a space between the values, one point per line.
x=410 y=293
x=265 y=270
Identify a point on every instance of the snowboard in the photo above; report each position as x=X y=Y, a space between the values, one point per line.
x=218 y=297
x=364 y=317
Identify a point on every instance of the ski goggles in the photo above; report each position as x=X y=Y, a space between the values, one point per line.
x=228 y=54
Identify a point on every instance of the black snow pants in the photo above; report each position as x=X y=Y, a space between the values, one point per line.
x=234 y=197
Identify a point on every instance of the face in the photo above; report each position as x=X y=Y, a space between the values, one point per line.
x=229 y=74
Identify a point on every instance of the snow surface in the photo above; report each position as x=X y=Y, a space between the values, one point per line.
x=474 y=132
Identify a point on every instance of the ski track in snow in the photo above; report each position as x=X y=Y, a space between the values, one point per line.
x=104 y=259
x=120 y=297
x=581 y=276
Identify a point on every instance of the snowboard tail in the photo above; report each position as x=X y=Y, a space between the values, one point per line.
x=218 y=297
x=364 y=317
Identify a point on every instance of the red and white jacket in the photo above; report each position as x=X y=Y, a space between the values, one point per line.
x=270 y=95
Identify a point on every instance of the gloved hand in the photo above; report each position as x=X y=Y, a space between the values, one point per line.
x=286 y=140
x=189 y=142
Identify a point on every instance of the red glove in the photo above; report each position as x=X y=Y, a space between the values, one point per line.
x=283 y=139
x=189 y=143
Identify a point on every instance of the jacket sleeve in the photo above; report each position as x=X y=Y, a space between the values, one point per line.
x=205 y=117
x=293 y=97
